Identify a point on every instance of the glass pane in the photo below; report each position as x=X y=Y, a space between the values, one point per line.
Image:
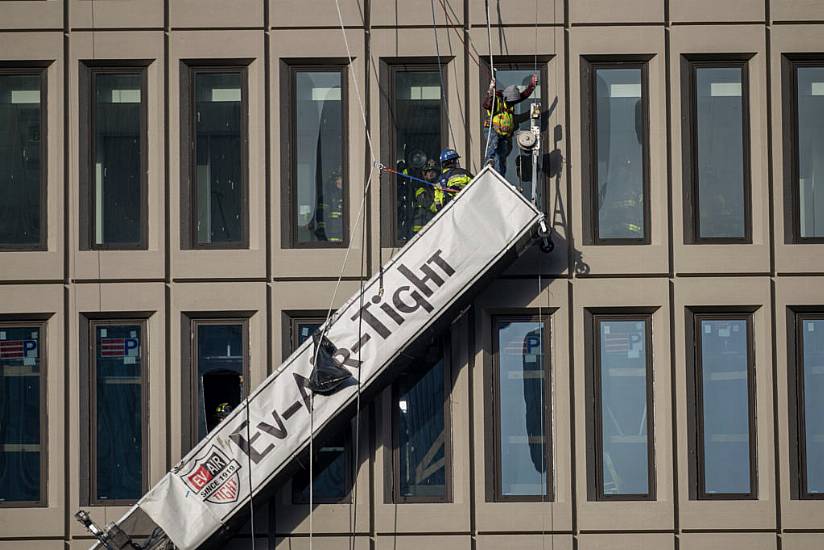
x=119 y=421
x=620 y=142
x=814 y=404
x=329 y=470
x=318 y=154
x=521 y=406
x=19 y=414
x=116 y=134
x=219 y=373
x=218 y=195
x=521 y=179
x=811 y=150
x=421 y=435
x=725 y=395
x=20 y=160
x=416 y=123
x=305 y=329
x=720 y=150
x=623 y=407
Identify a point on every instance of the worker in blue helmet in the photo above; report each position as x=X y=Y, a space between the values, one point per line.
x=452 y=176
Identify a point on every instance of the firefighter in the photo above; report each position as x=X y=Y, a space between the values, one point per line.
x=329 y=212
x=222 y=411
x=500 y=109
x=425 y=204
x=452 y=175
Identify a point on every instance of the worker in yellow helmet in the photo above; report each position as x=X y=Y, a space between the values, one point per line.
x=500 y=108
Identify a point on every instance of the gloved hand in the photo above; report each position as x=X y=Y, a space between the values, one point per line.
x=534 y=80
x=492 y=86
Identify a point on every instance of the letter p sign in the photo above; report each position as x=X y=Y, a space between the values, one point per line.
x=132 y=347
x=29 y=348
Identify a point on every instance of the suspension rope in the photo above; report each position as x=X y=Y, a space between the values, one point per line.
x=444 y=99
x=492 y=75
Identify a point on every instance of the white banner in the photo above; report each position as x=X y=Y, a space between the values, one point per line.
x=464 y=241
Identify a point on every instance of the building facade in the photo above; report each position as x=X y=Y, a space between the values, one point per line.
x=186 y=187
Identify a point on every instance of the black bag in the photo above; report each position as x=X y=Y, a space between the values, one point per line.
x=327 y=375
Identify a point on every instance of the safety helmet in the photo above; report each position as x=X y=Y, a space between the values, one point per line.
x=449 y=154
x=223 y=410
x=512 y=93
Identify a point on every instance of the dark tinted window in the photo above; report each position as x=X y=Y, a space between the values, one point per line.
x=415 y=119
x=219 y=195
x=812 y=410
x=720 y=152
x=724 y=415
x=521 y=409
x=20 y=160
x=421 y=434
x=117 y=412
x=620 y=144
x=220 y=370
x=318 y=154
x=20 y=420
x=622 y=397
x=810 y=148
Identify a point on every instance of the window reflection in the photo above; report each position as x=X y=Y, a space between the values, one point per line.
x=720 y=152
x=725 y=408
x=420 y=433
x=810 y=136
x=521 y=406
x=117 y=202
x=20 y=162
x=623 y=394
x=118 y=406
x=219 y=196
x=20 y=450
x=620 y=142
x=318 y=150
x=813 y=405
x=416 y=119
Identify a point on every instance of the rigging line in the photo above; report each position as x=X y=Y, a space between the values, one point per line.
x=454 y=27
x=535 y=60
x=492 y=75
x=249 y=476
x=444 y=99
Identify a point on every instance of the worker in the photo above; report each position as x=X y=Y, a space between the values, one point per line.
x=452 y=176
x=329 y=212
x=500 y=109
x=222 y=411
x=426 y=205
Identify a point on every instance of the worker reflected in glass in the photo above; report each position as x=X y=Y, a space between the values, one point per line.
x=328 y=222
x=500 y=122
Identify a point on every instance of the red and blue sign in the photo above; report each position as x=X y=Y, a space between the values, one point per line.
x=119 y=347
x=18 y=349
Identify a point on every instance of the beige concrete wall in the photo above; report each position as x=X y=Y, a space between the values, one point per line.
x=262 y=282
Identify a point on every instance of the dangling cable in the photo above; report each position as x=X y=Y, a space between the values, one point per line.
x=444 y=100
x=494 y=92
x=544 y=487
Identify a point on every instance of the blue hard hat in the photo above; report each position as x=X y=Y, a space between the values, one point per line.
x=449 y=154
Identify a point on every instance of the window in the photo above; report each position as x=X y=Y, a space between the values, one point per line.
x=217 y=381
x=806 y=139
x=716 y=159
x=722 y=407
x=214 y=156
x=22 y=159
x=317 y=191
x=617 y=155
x=331 y=469
x=621 y=410
x=415 y=121
x=421 y=454
x=808 y=416
x=117 y=411
x=22 y=414
x=519 y=164
x=521 y=410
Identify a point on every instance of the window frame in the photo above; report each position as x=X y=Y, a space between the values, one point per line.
x=493 y=417
x=41 y=70
x=389 y=68
x=522 y=63
x=595 y=436
x=289 y=133
x=392 y=436
x=589 y=148
x=689 y=69
x=41 y=325
x=695 y=401
x=89 y=406
x=89 y=70
x=797 y=399
x=189 y=69
x=792 y=196
x=189 y=398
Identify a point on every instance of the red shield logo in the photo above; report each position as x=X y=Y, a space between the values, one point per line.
x=214 y=477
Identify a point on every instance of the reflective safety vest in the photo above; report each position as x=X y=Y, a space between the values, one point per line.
x=455 y=178
x=503 y=121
